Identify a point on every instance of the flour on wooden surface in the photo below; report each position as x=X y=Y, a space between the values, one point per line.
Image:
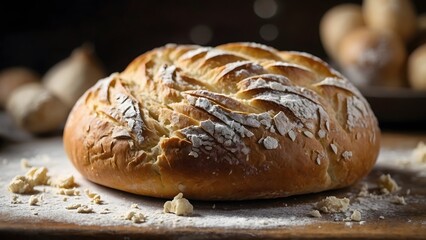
x=15 y=207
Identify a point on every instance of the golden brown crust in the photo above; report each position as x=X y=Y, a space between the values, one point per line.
x=239 y=121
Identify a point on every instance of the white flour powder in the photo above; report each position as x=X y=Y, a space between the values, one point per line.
x=264 y=214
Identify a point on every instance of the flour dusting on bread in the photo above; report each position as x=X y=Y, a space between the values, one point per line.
x=191 y=114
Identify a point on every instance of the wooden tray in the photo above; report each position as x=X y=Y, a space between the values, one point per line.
x=397 y=105
x=276 y=218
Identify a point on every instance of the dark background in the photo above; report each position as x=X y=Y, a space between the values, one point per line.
x=37 y=34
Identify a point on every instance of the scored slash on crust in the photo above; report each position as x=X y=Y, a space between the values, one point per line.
x=243 y=108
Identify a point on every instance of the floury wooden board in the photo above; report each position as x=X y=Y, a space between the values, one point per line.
x=277 y=218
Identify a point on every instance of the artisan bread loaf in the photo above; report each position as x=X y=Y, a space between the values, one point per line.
x=238 y=121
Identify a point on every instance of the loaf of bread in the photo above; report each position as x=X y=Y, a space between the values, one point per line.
x=238 y=121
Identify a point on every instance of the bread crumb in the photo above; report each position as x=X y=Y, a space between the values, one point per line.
x=398 y=200
x=134 y=205
x=135 y=217
x=15 y=200
x=333 y=205
x=364 y=191
x=105 y=211
x=179 y=206
x=419 y=153
x=34 y=199
x=21 y=184
x=85 y=209
x=25 y=164
x=67 y=182
x=315 y=214
x=95 y=198
x=69 y=192
x=73 y=206
x=356 y=216
x=387 y=184
x=38 y=175
x=64 y=199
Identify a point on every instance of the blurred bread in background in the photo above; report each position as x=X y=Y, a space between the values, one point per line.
x=371 y=57
x=417 y=68
x=35 y=109
x=377 y=43
x=41 y=107
x=12 y=78
x=337 y=23
x=396 y=16
x=71 y=77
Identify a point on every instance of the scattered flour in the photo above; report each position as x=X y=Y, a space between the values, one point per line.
x=270 y=143
x=244 y=217
x=134 y=205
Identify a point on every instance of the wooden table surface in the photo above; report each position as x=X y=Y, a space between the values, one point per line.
x=400 y=221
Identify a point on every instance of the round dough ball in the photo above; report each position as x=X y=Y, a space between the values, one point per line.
x=337 y=23
x=397 y=16
x=12 y=78
x=373 y=58
x=417 y=68
x=232 y=122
